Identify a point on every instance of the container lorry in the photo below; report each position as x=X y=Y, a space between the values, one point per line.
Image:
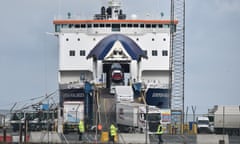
x=124 y=94
x=73 y=112
x=226 y=119
x=131 y=117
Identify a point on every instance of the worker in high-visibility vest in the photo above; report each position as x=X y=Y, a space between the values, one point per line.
x=174 y=128
x=113 y=133
x=81 y=129
x=160 y=132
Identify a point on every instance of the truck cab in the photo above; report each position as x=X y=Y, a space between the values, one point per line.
x=203 y=125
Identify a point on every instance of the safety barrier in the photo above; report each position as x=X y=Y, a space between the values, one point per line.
x=10 y=139
x=190 y=128
x=105 y=137
x=6 y=139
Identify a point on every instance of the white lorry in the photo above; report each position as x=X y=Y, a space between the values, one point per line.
x=203 y=125
x=124 y=93
x=131 y=117
x=226 y=119
x=73 y=112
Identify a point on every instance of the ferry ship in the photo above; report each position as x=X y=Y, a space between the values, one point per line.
x=89 y=49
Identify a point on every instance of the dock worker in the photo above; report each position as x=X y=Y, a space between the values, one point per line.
x=174 y=128
x=81 y=129
x=113 y=133
x=160 y=132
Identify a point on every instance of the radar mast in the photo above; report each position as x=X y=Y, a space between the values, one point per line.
x=112 y=12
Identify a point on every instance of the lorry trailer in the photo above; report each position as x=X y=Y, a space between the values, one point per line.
x=226 y=119
x=73 y=112
x=132 y=117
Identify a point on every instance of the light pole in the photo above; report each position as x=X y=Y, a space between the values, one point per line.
x=146 y=133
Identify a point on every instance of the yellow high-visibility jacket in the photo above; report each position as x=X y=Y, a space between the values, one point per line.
x=113 y=130
x=160 y=129
x=81 y=126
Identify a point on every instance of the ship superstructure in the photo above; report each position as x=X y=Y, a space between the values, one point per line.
x=87 y=48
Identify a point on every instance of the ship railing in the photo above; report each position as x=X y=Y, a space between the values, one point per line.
x=99 y=16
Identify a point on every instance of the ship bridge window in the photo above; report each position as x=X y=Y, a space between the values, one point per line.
x=101 y=25
x=77 y=25
x=115 y=27
x=129 y=25
x=135 y=25
x=89 y=25
x=95 y=25
x=123 y=25
x=72 y=53
x=160 y=25
x=142 y=25
x=148 y=26
x=154 y=25
x=83 y=25
x=108 y=25
x=164 y=53
x=154 y=53
x=82 y=52
x=57 y=28
x=70 y=26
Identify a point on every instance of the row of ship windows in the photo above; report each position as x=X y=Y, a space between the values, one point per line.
x=154 y=53
x=115 y=27
x=124 y=25
x=73 y=53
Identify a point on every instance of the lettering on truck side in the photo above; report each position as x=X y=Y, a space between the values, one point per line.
x=159 y=95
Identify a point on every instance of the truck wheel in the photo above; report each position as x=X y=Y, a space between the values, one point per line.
x=130 y=130
x=134 y=130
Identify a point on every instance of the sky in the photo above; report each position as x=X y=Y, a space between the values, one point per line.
x=29 y=52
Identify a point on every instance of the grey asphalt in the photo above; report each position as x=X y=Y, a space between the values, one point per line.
x=125 y=138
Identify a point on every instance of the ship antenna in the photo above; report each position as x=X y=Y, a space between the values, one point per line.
x=115 y=6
